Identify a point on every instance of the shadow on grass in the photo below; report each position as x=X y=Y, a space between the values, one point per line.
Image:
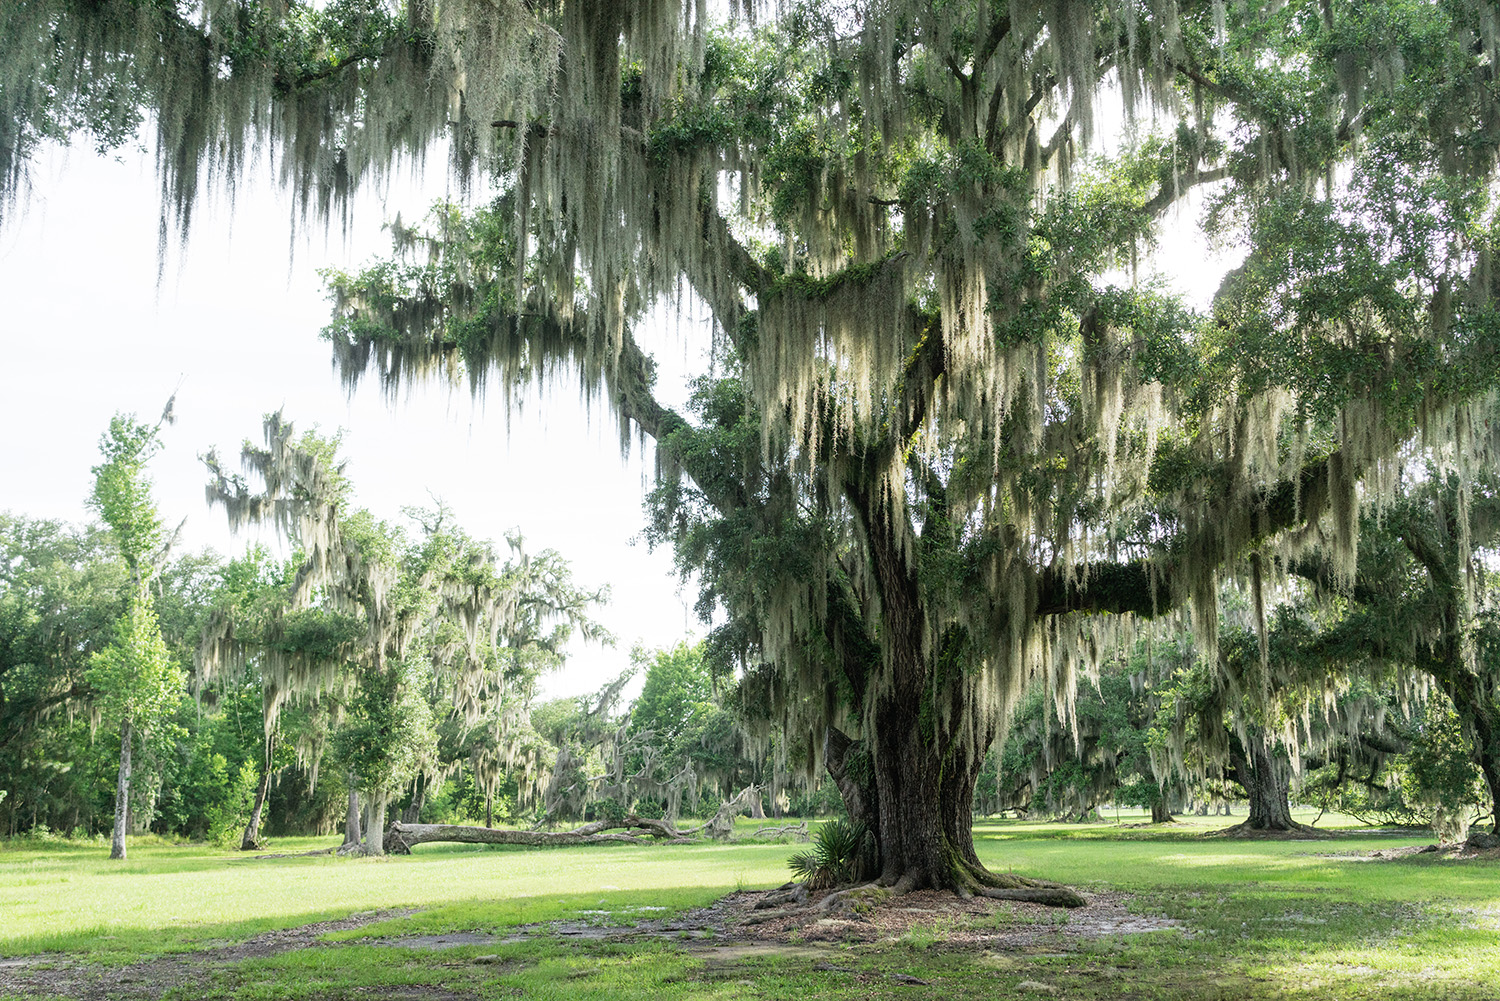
x=1262 y=920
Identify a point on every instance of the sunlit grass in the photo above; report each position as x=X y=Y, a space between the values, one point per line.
x=1262 y=919
x=75 y=898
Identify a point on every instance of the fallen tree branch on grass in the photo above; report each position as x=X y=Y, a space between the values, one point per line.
x=721 y=825
x=799 y=830
x=399 y=837
x=316 y=851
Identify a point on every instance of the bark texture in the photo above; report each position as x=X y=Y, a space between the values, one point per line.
x=375 y=825
x=351 y=819
x=251 y=841
x=122 y=794
x=1266 y=778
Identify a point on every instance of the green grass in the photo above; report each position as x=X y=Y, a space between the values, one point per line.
x=1263 y=919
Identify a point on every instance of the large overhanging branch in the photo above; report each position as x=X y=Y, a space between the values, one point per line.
x=1147 y=586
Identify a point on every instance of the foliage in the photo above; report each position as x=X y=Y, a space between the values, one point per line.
x=940 y=425
x=838 y=852
x=1269 y=920
x=1068 y=768
x=135 y=678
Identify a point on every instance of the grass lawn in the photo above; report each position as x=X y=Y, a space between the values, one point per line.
x=1258 y=919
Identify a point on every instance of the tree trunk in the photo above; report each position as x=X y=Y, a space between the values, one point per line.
x=375 y=825
x=1481 y=717
x=927 y=739
x=122 y=794
x=1266 y=779
x=251 y=841
x=920 y=805
x=351 y=820
x=1160 y=812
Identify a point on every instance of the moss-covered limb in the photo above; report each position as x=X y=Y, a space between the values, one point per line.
x=1138 y=587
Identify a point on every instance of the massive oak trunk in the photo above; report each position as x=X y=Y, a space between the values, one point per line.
x=920 y=805
x=926 y=739
x=1266 y=778
x=122 y=794
x=1160 y=812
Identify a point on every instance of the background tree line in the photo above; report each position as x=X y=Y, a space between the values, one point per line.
x=1376 y=699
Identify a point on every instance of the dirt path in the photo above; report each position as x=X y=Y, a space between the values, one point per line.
x=57 y=975
x=717 y=933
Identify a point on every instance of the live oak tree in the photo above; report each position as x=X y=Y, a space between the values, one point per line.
x=1067 y=768
x=370 y=610
x=135 y=679
x=944 y=433
x=1422 y=610
x=62 y=591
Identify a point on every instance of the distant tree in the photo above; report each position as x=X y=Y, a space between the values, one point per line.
x=682 y=726
x=677 y=695
x=1067 y=764
x=371 y=609
x=135 y=679
x=1424 y=605
x=61 y=592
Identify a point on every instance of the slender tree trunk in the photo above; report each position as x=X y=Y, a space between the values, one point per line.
x=122 y=794
x=375 y=825
x=489 y=810
x=413 y=812
x=351 y=820
x=251 y=841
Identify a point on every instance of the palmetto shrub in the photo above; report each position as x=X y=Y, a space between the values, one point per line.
x=837 y=855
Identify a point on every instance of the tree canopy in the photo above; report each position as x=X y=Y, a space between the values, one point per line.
x=945 y=424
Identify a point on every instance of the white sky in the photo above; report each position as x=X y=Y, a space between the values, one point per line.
x=86 y=332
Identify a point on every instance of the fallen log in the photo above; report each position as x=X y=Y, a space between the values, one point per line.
x=800 y=830
x=399 y=837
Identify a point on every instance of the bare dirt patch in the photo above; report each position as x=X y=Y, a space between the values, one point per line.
x=58 y=976
x=1461 y=851
x=728 y=932
x=950 y=921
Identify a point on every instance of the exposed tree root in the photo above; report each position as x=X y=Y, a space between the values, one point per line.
x=1009 y=886
x=1056 y=896
x=790 y=894
x=838 y=898
x=1292 y=830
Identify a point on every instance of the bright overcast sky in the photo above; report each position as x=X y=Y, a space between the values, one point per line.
x=87 y=332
